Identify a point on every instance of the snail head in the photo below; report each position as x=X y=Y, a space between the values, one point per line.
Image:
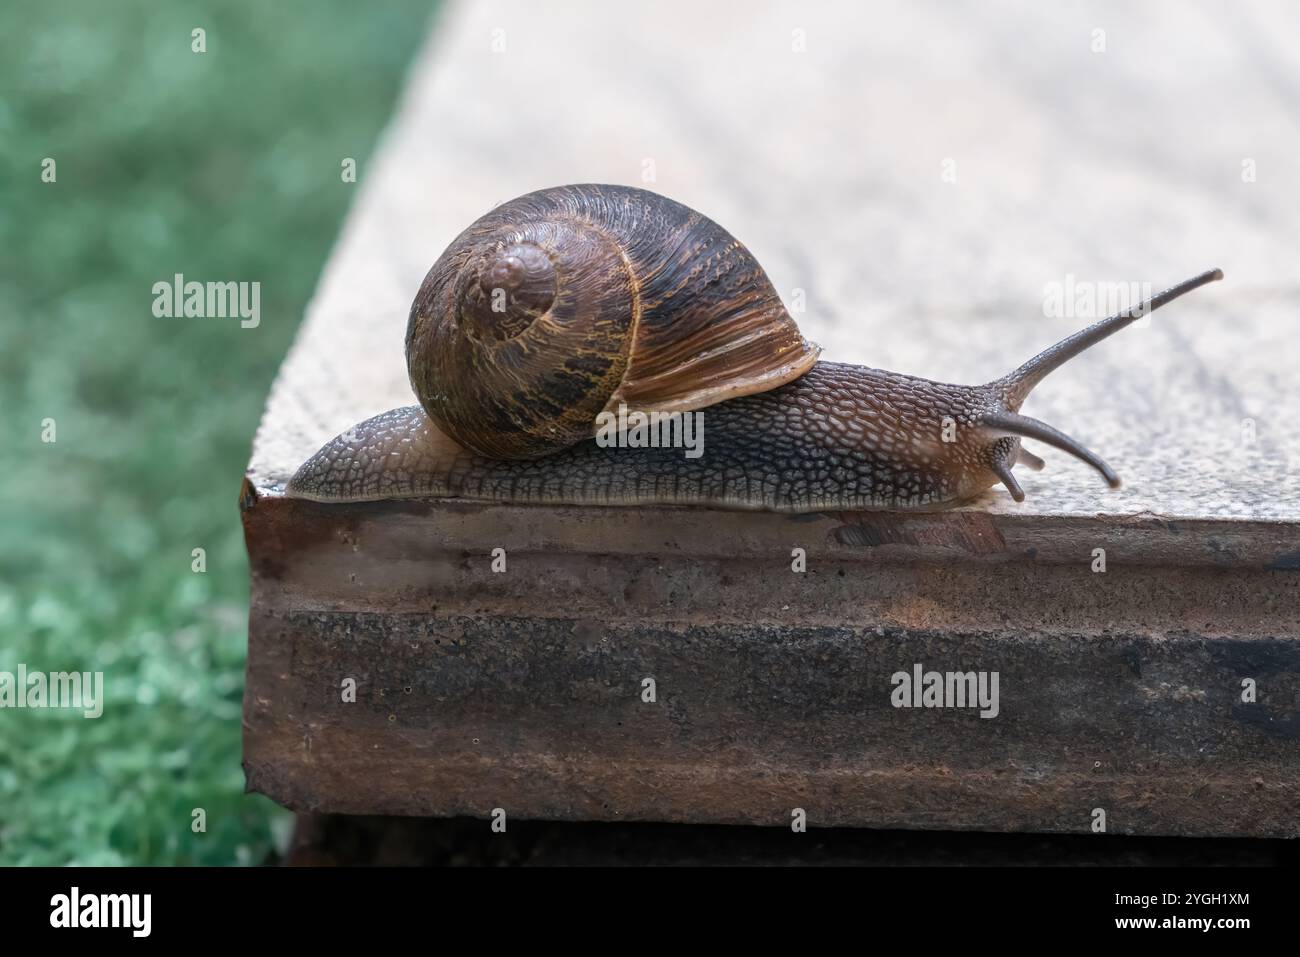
x=1003 y=420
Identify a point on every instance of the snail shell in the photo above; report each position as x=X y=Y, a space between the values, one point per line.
x=568 y=302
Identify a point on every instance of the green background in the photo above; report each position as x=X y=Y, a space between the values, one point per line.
x=223 y=166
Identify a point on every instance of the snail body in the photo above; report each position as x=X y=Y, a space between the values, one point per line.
x=557 y=308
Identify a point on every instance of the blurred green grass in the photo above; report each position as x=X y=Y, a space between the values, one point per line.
x=222 y=166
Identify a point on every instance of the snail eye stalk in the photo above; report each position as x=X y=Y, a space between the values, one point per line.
x=1021 y=382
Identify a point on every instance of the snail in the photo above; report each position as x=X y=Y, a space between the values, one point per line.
x=556 y=308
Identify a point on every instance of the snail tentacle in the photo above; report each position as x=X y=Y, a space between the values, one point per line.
x=1019 y=383
x=1029 y=460
x=1003 y=471
x=1013 y=423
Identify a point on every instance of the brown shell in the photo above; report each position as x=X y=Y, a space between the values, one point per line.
x=566 y=302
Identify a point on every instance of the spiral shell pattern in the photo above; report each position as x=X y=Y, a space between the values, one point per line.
x=566 y=302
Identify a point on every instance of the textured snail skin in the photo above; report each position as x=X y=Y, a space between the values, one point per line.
x=840 y=437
